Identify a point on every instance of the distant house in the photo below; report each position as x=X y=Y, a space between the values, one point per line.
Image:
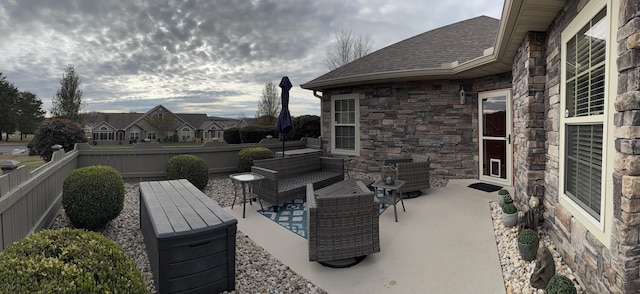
x=159 y=123
x=546 y=100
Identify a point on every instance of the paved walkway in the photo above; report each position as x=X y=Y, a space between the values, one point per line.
x=443 y=243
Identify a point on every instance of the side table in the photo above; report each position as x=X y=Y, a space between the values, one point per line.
x=244 y=179
x=395 y=194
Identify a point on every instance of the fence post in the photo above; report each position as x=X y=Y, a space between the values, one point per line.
x=8 y=166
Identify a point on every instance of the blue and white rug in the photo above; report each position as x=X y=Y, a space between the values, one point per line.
x=293 y=215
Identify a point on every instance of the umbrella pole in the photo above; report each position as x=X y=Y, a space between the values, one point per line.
x=283 y=136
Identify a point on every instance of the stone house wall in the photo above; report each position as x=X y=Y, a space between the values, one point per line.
x=600 y=269
x=418 y=118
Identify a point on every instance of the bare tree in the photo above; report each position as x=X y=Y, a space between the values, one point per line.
x=67 y=102
x=347 y=48
x=269 y=105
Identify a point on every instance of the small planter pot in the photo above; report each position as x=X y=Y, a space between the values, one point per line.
x=510 y=220
x=528 y=252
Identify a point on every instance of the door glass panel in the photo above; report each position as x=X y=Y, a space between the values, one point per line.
x=495 y=158
x=494 y=116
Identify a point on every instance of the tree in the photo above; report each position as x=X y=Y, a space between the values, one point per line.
x=269 y=105
x=29 y=113
x=164 y=122
x=347 y=48
x=67 y=102
x=8 y=100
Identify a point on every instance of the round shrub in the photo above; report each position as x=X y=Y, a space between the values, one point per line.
x=509 y=208
x=190 y=167
x=246 y=157
x=503 y=192
x=560 y=284
x=68 y=261
x=528 y=236
x=92 y=196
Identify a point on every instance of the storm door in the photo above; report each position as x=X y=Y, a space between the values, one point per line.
x=494 y=119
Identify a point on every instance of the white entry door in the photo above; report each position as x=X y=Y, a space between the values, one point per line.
x=494 y=119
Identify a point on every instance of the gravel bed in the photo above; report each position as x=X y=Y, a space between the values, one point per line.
x=515 y=271
x=257 y=271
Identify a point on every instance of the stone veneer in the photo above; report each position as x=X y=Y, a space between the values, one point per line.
x=529 y=77
x=615 y=269
x=417 y=118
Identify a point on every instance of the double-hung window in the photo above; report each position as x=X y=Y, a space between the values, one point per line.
x=345 y=124
x=588 y=86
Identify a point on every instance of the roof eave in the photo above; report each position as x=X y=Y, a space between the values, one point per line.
x=518 y=18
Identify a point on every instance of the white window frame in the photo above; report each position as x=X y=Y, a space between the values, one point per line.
x=600 y=227
x=356 y=125
x=151 y=135
x=186 y=134
x=134 y=135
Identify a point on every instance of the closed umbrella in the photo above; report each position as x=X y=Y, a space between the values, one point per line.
x=284 y=124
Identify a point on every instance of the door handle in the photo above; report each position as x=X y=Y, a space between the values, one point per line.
x=509 y=139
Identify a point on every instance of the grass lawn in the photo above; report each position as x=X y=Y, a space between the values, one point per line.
x=32 y=162
x=15 y=140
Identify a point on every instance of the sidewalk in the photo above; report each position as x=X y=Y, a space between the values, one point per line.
x=443 y=243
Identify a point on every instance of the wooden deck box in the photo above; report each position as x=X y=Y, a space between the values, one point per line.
x=190 y=240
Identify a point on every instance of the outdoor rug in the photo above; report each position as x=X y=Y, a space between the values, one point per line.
x=485 y=187
x=293 y=215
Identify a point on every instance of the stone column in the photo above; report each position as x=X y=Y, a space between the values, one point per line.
x=529 y=78
x=626 y=177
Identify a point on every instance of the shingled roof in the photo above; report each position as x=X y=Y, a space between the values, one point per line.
x=461 y=42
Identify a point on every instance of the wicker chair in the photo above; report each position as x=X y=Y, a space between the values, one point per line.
x=342 y=228
x=415 y=173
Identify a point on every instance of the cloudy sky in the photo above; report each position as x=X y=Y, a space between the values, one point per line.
x=199 y=56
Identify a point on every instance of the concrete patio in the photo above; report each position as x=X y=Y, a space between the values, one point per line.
x=443 y=243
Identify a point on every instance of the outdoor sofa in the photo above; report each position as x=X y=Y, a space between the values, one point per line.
x=286 y=177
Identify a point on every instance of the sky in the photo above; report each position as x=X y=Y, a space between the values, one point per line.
x=199 y=56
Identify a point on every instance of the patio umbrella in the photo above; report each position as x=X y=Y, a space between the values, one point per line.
x=284 y=124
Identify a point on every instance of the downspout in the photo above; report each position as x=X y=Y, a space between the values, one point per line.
x=317 y=96
x=321 y=127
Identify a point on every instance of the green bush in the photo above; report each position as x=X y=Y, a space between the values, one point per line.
x=528 y=236
x=57 y=131
x=304 y=126
x=190 y=167
x=560 y=284
x=246 y=157
x=68 y=261
x=254 y=134
x=509 y=208
x=92 y=196
x=503 y=192
x=232 y=136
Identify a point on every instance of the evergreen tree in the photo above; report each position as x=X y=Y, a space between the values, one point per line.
x=67 y=102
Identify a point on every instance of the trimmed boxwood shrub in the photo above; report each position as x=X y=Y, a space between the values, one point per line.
x=528 y=236
x=92 y=196
x=190 y=167
x=509 y=208
x=68 y=261
x=560 y=284
x=246 y=157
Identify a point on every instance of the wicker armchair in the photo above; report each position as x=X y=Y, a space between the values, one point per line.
x=342 y=226
x=415 y=173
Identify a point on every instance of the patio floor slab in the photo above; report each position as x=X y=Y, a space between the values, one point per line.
x=443 y=243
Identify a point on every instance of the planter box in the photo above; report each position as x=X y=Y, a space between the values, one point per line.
x=190 y=240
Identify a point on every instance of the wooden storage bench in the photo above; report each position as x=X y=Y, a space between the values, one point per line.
x=190 y=240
